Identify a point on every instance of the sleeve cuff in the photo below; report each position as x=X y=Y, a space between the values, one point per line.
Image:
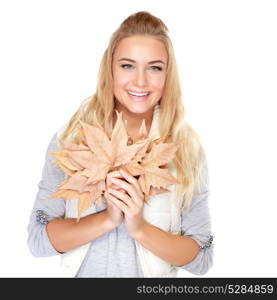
x=200 y=264
x=43 y=219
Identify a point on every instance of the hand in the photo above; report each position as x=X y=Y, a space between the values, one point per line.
x=129 y=202
x=115 y=215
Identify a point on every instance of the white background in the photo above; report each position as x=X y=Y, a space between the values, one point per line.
x=226 y=54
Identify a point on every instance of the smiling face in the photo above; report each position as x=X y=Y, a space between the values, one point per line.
x=139 y=72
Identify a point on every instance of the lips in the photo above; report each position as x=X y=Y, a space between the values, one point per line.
x=138 y=96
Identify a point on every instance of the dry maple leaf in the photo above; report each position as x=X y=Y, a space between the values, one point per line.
x=88 y=163
x=155 y=176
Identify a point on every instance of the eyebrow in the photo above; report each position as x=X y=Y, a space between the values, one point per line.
x=150 y=62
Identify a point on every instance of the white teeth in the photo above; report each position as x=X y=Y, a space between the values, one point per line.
x=137 y=94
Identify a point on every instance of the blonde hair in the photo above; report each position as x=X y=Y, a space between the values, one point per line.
x=99 y=108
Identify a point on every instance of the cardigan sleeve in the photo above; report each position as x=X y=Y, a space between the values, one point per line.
x=45 y=209
x=196 y=224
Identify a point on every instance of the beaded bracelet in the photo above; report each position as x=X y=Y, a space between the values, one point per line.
x=41 y=217
x=208 y=243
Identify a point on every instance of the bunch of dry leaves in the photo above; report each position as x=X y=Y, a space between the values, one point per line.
x=88 y=163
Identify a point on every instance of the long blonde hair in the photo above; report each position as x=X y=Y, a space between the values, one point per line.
x=190 y=156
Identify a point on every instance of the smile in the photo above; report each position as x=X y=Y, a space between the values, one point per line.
x=138 y=94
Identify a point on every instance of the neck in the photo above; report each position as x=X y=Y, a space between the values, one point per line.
x=134 y=120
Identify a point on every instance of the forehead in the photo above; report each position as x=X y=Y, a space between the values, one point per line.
x=141 y=48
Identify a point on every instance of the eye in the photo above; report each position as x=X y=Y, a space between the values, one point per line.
x=126 y=66
x=156 y=68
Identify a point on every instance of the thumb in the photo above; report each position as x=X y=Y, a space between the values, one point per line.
x=109 y=202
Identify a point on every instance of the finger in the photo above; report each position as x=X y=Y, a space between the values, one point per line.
x=107 y=195
x=114 y=174
x=110 y=200
x=123 y=197
x=121 y=205
x=133 y=181
x=123 y=185
x=131 y=190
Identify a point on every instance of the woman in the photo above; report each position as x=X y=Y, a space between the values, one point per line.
x=125 y=238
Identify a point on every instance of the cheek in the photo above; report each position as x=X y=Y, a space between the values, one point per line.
x=120 y=80
x=158 y=83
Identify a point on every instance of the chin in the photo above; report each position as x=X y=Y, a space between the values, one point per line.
x=138 y=109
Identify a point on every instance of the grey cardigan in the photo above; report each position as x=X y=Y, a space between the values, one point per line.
x=113 y=254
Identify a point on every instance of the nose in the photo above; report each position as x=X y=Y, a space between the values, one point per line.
x=140 y=78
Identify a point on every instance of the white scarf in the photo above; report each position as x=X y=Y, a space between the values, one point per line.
x=161 y=212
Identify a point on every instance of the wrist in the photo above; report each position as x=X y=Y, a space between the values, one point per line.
x=139 y=233
x=110 y=224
